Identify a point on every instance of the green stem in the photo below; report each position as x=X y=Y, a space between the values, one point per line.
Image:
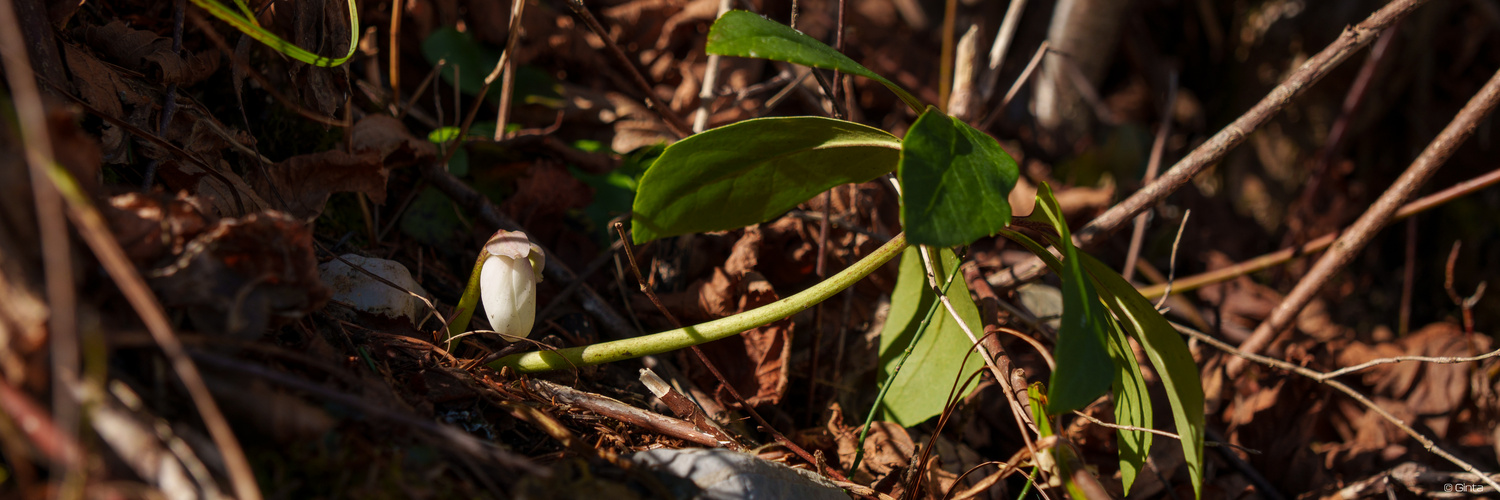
x=466 y=303
x=891 y=380
x=672 y=340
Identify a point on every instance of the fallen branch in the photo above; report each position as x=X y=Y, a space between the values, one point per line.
x=1215 y=148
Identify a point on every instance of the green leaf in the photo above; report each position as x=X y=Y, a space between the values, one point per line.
x=1167 y=352
x=921 y=389
x=753 y=171
x=744 y=34
x=1132 y=407
x=955 y=179
x=1083 y=363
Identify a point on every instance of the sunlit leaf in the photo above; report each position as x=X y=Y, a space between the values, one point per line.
x=1083 y=362
x=753 y=171
x=744 y=34
x=1132 y=407
x=1167 y=352
x=920 y=390
x=955 y=182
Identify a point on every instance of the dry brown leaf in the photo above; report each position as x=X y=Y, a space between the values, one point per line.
x=97 y=83
x=1442 y=387
x=244 y=275
x=153 y=227
x=302 y=184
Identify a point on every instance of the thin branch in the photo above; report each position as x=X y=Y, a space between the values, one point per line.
x=998 y=51
x=1378 y=215
x=1036 y=60
x=617 y=410
x=1321 y=377
x=667 y=116
x=1286 y=254
x=508 y=62
x=1138 y=233
x=1397 y=359
x=1172 y=266
x=398 y=9
x=1162 y=433
x=1215 y=148
x=95 y=233
x=706 y=93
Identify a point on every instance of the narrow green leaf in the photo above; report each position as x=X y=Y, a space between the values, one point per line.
x=956 y=180
x=1132 y=407
x=920 y=391
x=753 y=171
x=1167 y=352
x=249 y=26
x=745 y=34
x=1083 y=363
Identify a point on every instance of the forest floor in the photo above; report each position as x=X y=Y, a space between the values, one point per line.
x=259 y=169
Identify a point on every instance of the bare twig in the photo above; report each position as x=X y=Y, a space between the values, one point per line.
x=1172 y=266
x=1001 y=359
x=1158 y=432
x=508 y=62
x=1215 y=148
x=1408 y=279
x=95 y=232
x=998 y=51
x=1378 y=215
x=1352 y=101
x=398 y=10
x=617 y=410
x=1397 y=359
x=688 y=410
x=1036 y=60
x=706 y=93
x=1465 y=305
x=402 y=108
x=644 y=87
x=1323 y=378
x=1256 y=264
x=1138 y=233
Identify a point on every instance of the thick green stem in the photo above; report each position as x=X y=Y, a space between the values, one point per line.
x=672 y=340
x=466 y=303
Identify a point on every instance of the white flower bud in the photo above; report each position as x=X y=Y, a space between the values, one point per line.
x=507 y=282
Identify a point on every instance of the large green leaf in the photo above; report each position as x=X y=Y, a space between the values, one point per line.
x=744 y=34
x=1167 y=352
x=955 y=179
x=1132 y=407
x=921 y=389
x=1083 y=362
x=753 y=171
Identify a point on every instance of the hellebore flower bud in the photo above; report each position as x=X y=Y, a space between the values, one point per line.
x=507 y=282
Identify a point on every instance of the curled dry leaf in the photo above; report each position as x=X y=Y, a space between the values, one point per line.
x=756 y=361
